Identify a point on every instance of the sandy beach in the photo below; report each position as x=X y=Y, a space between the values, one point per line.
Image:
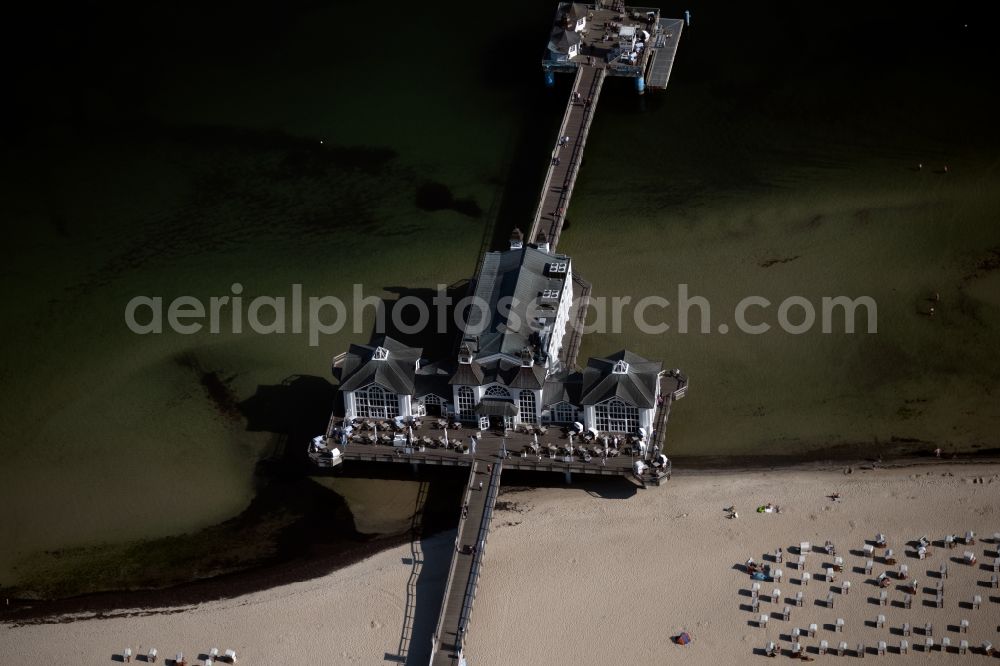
x=589 y=574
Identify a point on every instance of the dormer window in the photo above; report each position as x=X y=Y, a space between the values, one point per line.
x=550 y=294
x=558 y=268
x=621 y=368
x=381 y=354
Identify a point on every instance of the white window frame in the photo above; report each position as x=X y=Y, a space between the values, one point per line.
x=527 y=407
x=616 y=415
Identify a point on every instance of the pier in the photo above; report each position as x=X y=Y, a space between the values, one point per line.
x=513 y=398
x=567 y=155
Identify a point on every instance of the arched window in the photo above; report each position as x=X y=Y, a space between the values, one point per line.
x=466 y=403
x=374 y=402
x=564 y=413
x=615 y=415
x=496 y=391
x=526 y=407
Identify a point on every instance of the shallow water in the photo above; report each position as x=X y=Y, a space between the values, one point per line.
x=200 y=165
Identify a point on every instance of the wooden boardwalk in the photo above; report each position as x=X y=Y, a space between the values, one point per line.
x=567 y=157
x=553 y=454
x=466 y=562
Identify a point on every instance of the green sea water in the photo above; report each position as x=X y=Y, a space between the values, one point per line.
x=290 y=150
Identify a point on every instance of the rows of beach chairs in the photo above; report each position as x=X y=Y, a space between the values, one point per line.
x=208 y=659
x=874 y=551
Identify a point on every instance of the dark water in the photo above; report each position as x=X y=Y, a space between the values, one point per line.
x=170 y=150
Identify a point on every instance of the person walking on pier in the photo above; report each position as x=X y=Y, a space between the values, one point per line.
x=480 y=486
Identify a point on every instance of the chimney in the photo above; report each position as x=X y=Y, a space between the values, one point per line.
x=542 y=242
x=516 y=239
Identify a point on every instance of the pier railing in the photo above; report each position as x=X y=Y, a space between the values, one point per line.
x=436 y=643
x=540 y=211
x=477 y=557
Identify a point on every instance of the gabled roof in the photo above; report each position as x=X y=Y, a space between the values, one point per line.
x=563 y=387
x=637 y=385
x=532 y=377
x=360 y=367
x=433 y=378
x=575 y=10
x=561 y=39
x=468 y=374
x=521 y=275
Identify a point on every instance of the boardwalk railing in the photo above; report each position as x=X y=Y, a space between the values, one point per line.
x=540 y=212
x=579 y=142
x=477 y=558
x=436 y=643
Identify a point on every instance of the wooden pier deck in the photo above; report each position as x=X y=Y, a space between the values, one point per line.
x=567 y=157
x=663 y=51
x=466 y=562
